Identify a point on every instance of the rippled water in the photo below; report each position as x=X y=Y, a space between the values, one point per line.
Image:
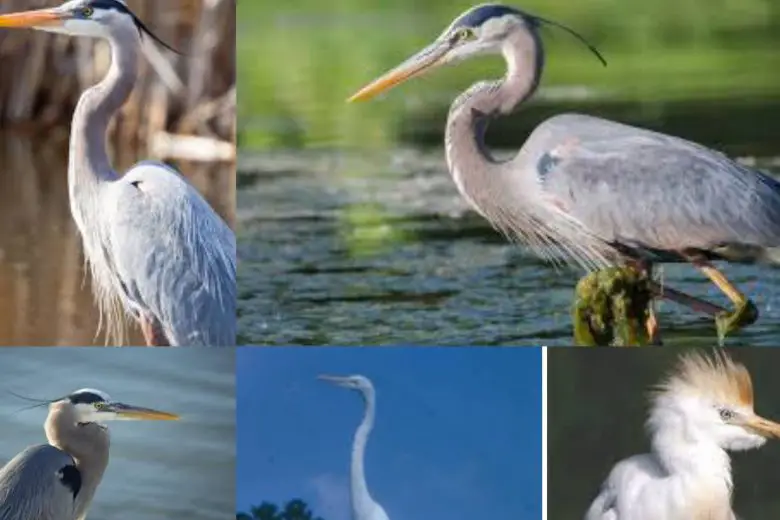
x=357 y=249
x=45 y=296
x=157 y=470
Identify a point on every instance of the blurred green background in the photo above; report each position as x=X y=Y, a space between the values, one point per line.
x=596 y=409
x=298 y=61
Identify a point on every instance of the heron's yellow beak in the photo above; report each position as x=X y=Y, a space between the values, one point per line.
x=31 y=19
x=127 y=412
x=414 y=66
x=763 y=427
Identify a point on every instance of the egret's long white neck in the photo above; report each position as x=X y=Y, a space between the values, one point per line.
x=89 y=164
x=361 y=498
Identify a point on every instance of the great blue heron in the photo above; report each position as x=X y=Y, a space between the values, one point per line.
x=364 y=507
x=703 y=409
x=57 y=481
x=594 y=192
x=156 y=249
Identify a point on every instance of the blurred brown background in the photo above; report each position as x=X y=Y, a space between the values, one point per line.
x=182 y=111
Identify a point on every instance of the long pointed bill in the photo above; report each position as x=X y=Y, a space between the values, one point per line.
x=764 y=427
x=32 y=19
x=426 y=59
x=136 y=413
x=331 y=379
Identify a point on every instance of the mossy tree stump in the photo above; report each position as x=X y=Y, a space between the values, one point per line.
x=612 y=307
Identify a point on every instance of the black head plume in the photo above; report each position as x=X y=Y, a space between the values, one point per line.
x=574 y=33
x=482 y=13
x=116 y=5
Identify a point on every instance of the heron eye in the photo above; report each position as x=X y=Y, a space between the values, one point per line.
x=463 y=34
x=726 y=414
x=99 y=406
x=467 y=34
x=87 y=12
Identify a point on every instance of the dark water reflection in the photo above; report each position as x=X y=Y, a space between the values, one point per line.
x=596 y=408
x=357 y=249
x=45 y=295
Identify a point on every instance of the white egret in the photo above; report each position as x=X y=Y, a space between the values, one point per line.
x=364 y=507
x=701 y=411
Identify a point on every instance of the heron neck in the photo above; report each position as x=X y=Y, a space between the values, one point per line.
x=473 y=110
x=360 y=495
x=88 y=444
x=89 y=164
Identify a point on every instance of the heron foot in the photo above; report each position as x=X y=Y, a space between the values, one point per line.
x=745 y=313
x=613 y=308
x=653 y=328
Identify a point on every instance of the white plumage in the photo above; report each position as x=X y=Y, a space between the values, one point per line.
x=702 y=410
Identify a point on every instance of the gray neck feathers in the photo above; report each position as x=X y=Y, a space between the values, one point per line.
x=89 y=164
x=472 y=111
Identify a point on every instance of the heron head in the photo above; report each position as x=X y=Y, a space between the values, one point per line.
x=481 y=30
x=93 y=406
x=356 y=382
x=90 y=18
x=710 y=398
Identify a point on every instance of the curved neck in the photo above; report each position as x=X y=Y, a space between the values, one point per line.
x=472 y=111
x=88 y=444
x=88 y=163
x=359 y=489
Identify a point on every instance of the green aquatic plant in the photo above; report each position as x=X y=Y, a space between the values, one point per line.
x=367 y=229
x=611 y=308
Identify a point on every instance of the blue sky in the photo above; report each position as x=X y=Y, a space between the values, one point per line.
x=457 y=435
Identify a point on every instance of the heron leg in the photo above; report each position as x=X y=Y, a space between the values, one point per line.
x=651 y=323
x=652 y=326
x=686 y=300
x=153 y=333
x=745 y=311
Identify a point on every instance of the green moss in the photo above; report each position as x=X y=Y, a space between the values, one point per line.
x=611 y=308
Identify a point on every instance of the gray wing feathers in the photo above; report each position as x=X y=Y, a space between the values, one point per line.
x=30 y=488
x=176 y=257
x=642 y=188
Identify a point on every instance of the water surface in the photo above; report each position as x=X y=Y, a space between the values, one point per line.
x=158 y=470
x=365 y=249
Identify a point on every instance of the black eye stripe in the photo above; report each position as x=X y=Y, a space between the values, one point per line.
x=86 y=398
x=479 y=15
x=114 y=5
x=110 y=5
